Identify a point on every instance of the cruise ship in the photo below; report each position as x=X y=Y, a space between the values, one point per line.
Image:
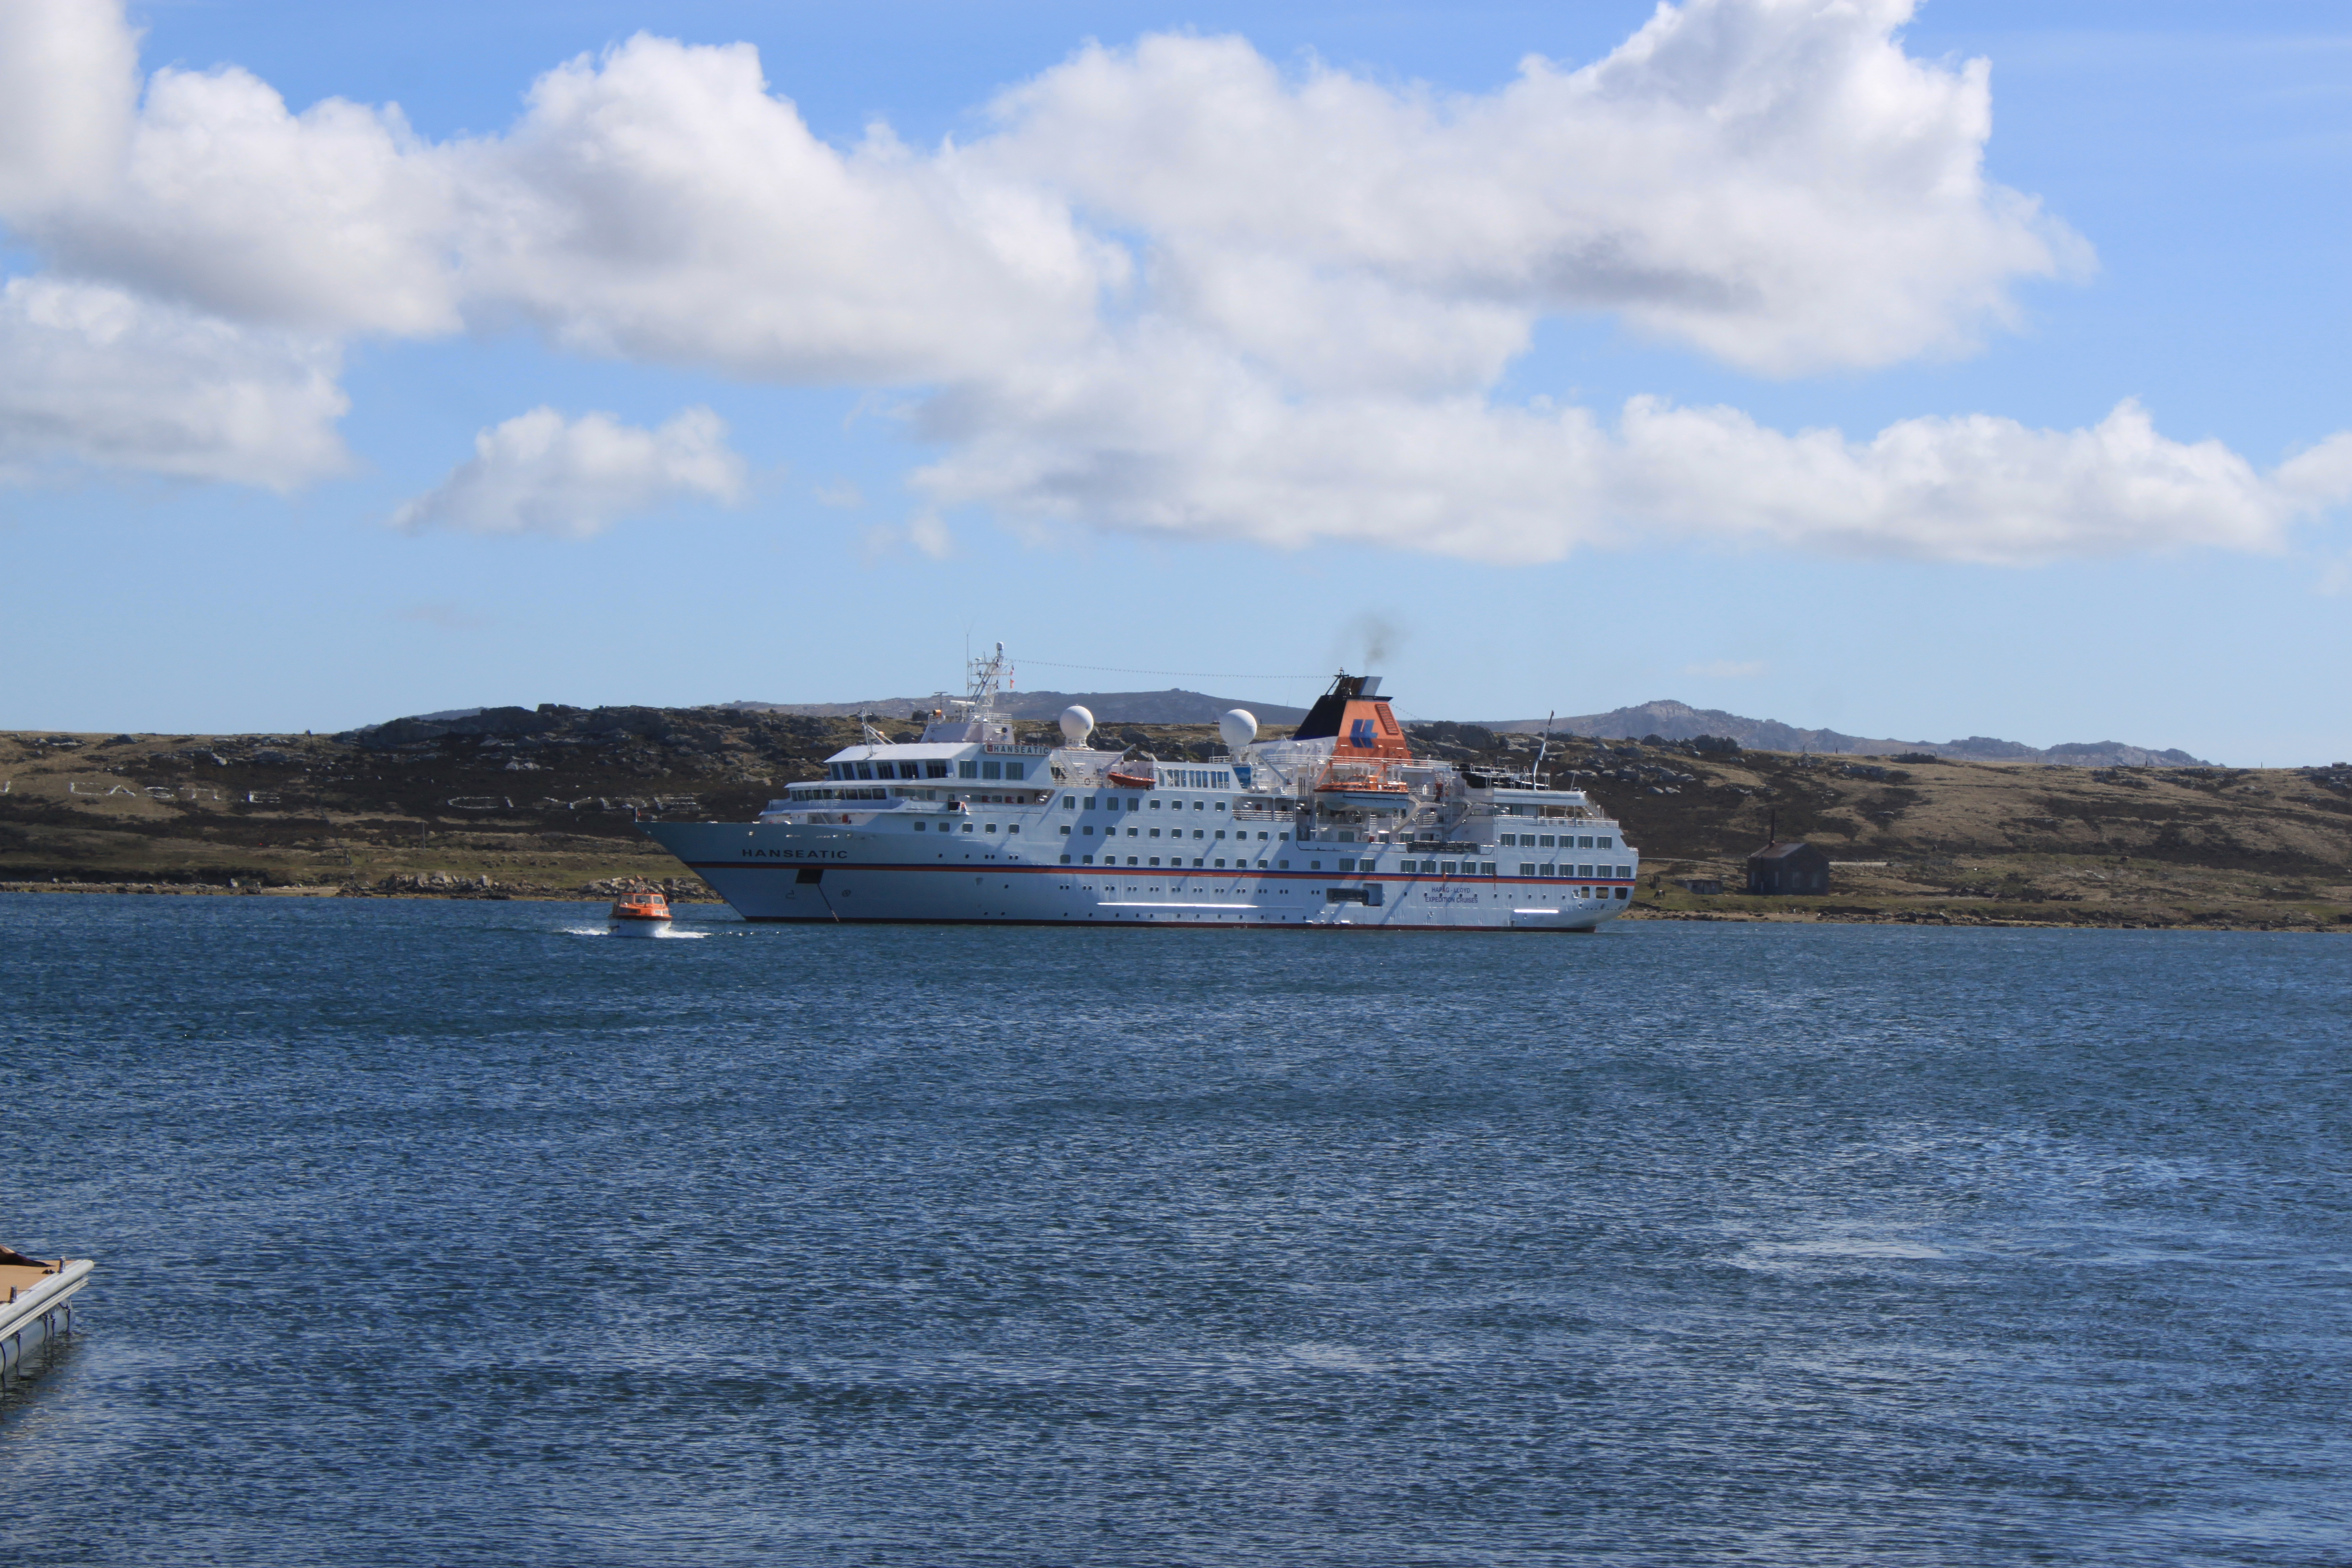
x=1338 y=826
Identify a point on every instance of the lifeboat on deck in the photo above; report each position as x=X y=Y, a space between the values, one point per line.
x=640 y=914
x=1363 y=786
x=1122 y=775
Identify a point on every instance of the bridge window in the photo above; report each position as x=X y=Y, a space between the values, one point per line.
x=1016 y=770
x=865 y=770
x=967 y=770
x=992 y=770
x=935 y=770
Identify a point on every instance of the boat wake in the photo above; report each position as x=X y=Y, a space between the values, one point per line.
x=654 y=936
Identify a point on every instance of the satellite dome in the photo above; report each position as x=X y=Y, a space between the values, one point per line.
x=1077 y=723
x=1238 y=728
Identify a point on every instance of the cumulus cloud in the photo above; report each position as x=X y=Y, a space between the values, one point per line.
x=1776 y=183
x=96 y=375
x=1204 y=451
x=1773 y=181
x=1169 y=289
x=541 y=473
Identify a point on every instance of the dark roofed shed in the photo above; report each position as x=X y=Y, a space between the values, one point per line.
x=1793 y=867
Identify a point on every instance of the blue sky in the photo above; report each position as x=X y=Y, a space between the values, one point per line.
x=1249 y=342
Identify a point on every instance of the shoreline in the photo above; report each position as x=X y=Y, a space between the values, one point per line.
x=502 y=893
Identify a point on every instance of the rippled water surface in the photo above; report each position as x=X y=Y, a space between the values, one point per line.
x=453 y=1232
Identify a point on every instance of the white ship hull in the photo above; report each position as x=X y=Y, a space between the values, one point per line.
x=1338 y=826
x=793 y=872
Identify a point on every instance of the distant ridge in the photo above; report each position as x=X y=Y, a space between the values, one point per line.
x=1672 y=721
x=1173 y=706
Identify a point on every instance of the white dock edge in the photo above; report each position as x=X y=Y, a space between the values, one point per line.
x=41 y=1312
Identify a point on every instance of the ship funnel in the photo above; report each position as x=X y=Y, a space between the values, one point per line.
x=1076 y=724
x=1237 y=729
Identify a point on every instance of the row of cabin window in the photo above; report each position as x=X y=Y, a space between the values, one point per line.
x=1529 y=868
x=1544 y=841
x=1134 y=802
x=976 y=769
x=923 y=827
x=1087 y=830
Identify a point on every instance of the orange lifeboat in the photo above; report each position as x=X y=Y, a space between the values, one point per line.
x=1120 y=778
x=640 y=914
x=1363 y=786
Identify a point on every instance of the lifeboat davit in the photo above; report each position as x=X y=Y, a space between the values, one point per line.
x=640 y=914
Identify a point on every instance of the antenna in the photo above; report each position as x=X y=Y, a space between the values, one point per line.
x=1546 y=742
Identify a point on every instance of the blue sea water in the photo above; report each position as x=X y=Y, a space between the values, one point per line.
x=459 y=1233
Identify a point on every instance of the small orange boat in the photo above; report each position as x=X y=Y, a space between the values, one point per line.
x=640 y=914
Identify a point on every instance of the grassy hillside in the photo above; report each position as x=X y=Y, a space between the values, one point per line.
x=549 y=812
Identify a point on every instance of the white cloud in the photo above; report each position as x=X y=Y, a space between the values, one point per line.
x=1171 y=289
x=540 y=473
x=1776 y=182
x=98 y=376
x=1773 y=181
x=1197 y=448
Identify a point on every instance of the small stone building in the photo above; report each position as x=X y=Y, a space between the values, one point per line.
x=1785 y=868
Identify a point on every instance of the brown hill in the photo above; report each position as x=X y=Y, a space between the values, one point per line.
x=522 y=800
x=1670 y=720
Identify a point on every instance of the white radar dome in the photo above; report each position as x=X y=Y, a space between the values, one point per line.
x=1238 y=728
x=1076 y=724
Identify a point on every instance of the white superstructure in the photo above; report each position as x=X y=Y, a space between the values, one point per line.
x=1340 y=825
